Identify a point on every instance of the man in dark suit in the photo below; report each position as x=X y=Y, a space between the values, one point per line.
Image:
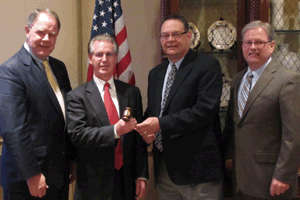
x=97 y=136
x=263 y=120
x=184 y=115
x=35 y=154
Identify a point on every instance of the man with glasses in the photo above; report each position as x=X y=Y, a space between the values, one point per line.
x=182 y=118
x=112 y=157
x=263 y=120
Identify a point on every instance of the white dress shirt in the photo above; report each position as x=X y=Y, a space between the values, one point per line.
x=113 y=93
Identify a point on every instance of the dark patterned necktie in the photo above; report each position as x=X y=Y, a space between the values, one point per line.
x=113 y=119
x=171 y=77
x=245 y=93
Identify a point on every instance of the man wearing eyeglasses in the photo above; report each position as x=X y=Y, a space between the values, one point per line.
x=263 y=120
x=112 y=159
x=182 y=118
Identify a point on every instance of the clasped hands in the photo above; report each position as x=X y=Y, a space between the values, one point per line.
x=147 y=129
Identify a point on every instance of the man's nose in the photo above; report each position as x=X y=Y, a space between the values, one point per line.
x=46 y=37
x=104 y=57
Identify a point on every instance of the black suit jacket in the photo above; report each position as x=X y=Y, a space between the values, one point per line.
x=190 y=121
x=32 y=123
x=91 y=132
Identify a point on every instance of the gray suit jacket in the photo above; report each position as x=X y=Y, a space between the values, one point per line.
x=267 y=137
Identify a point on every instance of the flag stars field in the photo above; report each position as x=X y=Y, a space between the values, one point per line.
x=108 y=19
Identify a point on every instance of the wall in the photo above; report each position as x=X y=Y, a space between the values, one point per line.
x=14 y=17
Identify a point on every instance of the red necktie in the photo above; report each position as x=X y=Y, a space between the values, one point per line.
x=113 y=119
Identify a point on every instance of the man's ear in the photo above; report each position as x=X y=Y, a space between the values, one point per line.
x=189 y=34
x=90 y=58
x=27 y=30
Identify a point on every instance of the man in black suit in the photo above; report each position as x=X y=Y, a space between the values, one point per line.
x=35 y=153
x=182 y=118
x=91 y=108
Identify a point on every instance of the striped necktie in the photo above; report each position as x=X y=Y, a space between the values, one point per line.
x=171 y=77
x=245 y=93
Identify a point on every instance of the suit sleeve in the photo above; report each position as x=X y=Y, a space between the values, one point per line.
x=15 y=128
x=288 y=160
x=142 y=157
x=201 y=113
x=81 y=132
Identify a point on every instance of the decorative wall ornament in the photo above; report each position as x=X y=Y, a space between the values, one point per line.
x=195 y=42
x=221 y=35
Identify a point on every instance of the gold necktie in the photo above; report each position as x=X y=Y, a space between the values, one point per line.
x=54 y=86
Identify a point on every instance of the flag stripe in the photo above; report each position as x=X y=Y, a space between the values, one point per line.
x=123 y=49
x=124 y=63
x=122 y=36
x=119 y=24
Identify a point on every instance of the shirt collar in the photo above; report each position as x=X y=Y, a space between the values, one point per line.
x=177 y=64
x=258 y=72
x=101 y=83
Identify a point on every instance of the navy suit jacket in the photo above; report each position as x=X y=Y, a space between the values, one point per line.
x=91 y=132
x=32 y=123
x=190 y=122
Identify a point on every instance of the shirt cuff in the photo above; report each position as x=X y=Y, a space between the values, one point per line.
x=143 y=178
x=115 y=133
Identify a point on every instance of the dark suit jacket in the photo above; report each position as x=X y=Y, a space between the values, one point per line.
x=267 y=136
x=32 y=124
x=92 y=134
x=190 y=122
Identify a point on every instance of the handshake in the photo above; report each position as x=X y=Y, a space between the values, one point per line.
x=147 y=129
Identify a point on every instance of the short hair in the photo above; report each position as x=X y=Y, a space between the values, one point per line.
x=177 y=17
x=259 y=24
x=33 y=16
x=102 y=37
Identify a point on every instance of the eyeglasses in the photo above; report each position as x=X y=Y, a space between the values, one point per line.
x=100 y=55
x=257 y=44
x=175 y=35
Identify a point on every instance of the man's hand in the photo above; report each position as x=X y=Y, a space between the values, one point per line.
x=123 y=127
x=141 y=188
x=37 y=185
x=278 y=187
x=148 y=138
x=149 y=126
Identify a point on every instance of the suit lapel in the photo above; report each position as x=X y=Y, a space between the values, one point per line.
x=235 y=95
x=159 y=81
x=41 y=79
x=181 y=74
x=97 y=103
x=122 y=97
x=264 y=79
x=123 y=100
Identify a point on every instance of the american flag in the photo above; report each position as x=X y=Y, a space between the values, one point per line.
x=108 y=19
